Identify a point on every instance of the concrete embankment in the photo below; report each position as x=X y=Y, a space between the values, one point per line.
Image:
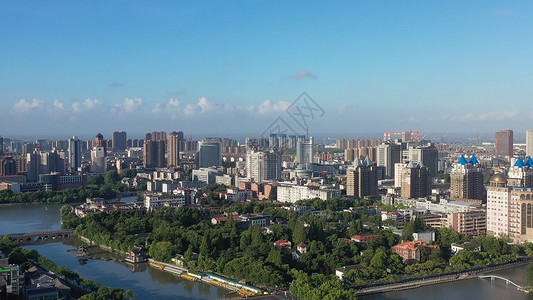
x=220 y=281
x=436 y=279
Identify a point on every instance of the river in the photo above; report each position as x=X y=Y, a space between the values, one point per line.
x=146 y=282
x=150 y=283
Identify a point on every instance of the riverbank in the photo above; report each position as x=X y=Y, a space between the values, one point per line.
x=438 y=279
x=208 y=278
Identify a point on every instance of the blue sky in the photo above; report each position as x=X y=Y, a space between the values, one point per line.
x=231 y=67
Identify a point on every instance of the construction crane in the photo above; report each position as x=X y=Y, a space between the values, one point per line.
x=442 y=137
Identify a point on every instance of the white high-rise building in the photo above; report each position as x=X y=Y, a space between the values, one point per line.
x=389 y=154
x=304 y=153
x=529 y=143
x=74 y=154
x=263 y=165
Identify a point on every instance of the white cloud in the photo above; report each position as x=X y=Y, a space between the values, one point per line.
x=205 y=105
x=130 y=104
x=24 y=105
x=88 y=104
x=269 y=106
x=58 y=105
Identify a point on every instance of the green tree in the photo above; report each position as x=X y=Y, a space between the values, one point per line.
x=529 y=275
x=161 y=251
x=298 y=235
x=111 y=177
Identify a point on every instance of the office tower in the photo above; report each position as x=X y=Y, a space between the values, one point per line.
x=504 y=143
x=51 y=162
x=262 y=165
x=209 y=154
x=466 y=180
x=74 y=154
x=361 y=179
x=119 y=141
x=173 y=151
x=500 y=207
x=416 y=181
x=33 y=165
x=154 y=154
x=99 y=155
x=8 y=166
x=387 y=155
x=1 y=146
x=529 y=143
x=428 y=155
x=304 y=153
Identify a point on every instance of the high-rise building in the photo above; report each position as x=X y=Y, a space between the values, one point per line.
x=156 y=136
x=529 y=143
x=99 y=155
x=154 y=154
x=521 y=173
x=74 y=154
x=500 y=208
x=466 y=180
x=209 y=154
x=428 y=155
x=8 y=166
x=504 y=143
x=389 y=154
x=34 y=165
x=416 y=181
x=304 y=152
x=120 y=139
x=1 y=146
x=173 y=152
x=51 y=162
x=398 y=169
x=361 y=179
x=263 y=165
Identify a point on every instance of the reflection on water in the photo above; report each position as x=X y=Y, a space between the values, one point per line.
x=144 y=281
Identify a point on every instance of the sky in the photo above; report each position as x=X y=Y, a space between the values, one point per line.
x=233 y=67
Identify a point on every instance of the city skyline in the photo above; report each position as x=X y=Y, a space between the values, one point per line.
x=77 y=68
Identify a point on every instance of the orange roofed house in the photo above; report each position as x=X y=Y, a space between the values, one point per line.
x=364 y=238
x=410 y=252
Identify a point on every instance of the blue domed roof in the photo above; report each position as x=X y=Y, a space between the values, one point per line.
x=462 y=160
x=357 y=162
x=473 y=160
x=529 y=162
x=519 y=163
x=367 y=161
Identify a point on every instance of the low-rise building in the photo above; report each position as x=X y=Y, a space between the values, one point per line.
x=465 y=246
x=409 y=251
x=365 y=238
